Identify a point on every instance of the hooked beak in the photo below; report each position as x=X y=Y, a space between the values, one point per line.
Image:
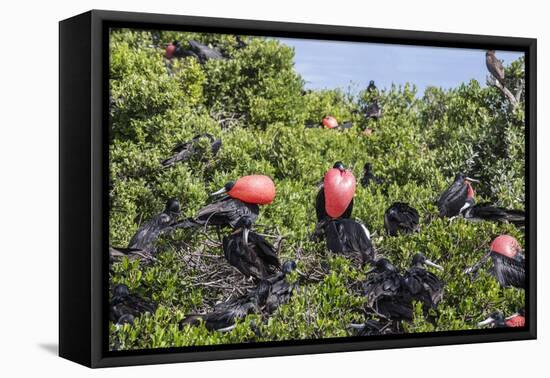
x=487 y=321
x=221 y=191
x=245 y=235
x=300 y=272
x=431 y=263
x=356 y=326
x=471 y=179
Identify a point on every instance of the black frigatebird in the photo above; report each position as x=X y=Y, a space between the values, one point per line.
x=195 y=49
x=494 y=65
x=250 y=252
x=348 y=237
x=508 y=262
x=124 y=306
x=454 y=198
x=373 y=110
x=371 y=88
x=486 y=211
x=390 y=294
x=184 y=151
x=148 y=233
x=281 y=290
x=400 y=218
x=369 y=177
x=142 y=244
x=423 y=285
x=176 y=50
x=498 y=320
x=239 y=199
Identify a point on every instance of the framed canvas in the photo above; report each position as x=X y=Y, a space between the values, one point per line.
x=235 y=188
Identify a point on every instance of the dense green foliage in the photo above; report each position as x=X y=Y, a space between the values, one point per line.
x=256 y=103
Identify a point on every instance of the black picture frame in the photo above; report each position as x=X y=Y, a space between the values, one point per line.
x=83 y=106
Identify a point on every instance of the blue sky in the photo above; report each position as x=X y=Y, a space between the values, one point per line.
x=331 y=64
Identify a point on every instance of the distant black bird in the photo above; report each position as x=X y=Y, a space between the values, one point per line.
x=348 y=237
x=184 y=151
x=250 y=252
x=400 y=218
x=373 y=110
x=494 y=65
x=149 y=232
x=498 y=320
x=240 y=43
x=124 y=307
x=453 y=199
x=372 y=87
x=369 y=177
x=204 y=52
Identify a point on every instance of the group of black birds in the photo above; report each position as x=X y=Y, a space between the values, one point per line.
x=389 y=294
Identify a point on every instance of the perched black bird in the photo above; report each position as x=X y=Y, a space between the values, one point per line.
x=204 y=52
x=498 y=320
x=369 y=177
x=373 y=110
x=268 y=295
x=250 y=252
x=280 y=289
x=348 y=237
x=184 y=151
x=124 y=307
x=488 y=212
x=372 y=87
x=401 y=218
x=508 y=262
x=148 y=233
x=176 y=50
x=386 y=294
x=423 y=285
x=240 y=43
x=320 y=208
x=225 y=211
x=225 y=314
x=494 y=66
x=131 y=253
x=390 y=294
x=453 y=199
x=371 y=327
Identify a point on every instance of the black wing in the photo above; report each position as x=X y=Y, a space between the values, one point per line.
x=400 y=217
x=257 y=259
x=387 y=296
x=226 y=211
x=453 y=199
x=424 y=286
x=347 y=236
x=486 y=211
x=509 y=272
x=148 y=233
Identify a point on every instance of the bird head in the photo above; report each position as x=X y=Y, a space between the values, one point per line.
x=506 y=245
x=368 y=167
x=382 y=265
x=172 y=206
x=496 y=318
x=420 y=259
x=490 y=53
x=245 y=223
x=121 y=291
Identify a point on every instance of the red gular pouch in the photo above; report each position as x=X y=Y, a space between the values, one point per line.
x=515 y=321
x=339 y=187
x=471 y=192
x=255 y=189
x=505 y=245
x=330 y=122
x=169 y=52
